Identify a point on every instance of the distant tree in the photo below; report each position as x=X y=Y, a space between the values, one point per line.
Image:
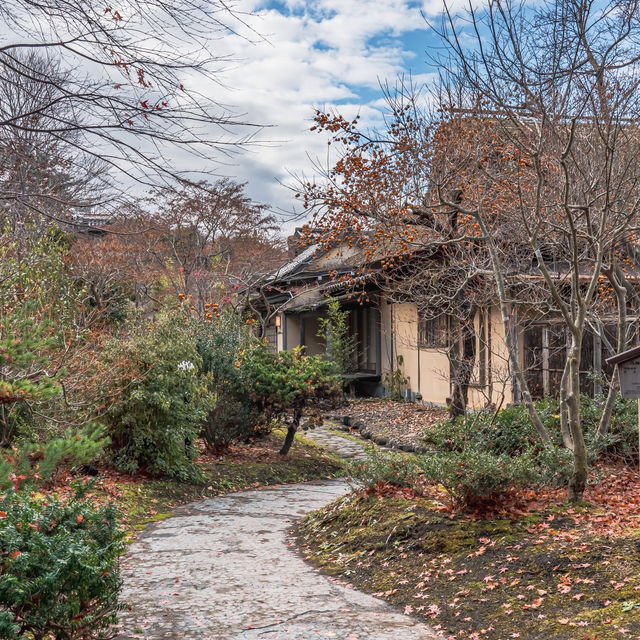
x=204 y=242
x=206 y=239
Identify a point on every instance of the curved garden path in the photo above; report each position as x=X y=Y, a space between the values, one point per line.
x=225 y=569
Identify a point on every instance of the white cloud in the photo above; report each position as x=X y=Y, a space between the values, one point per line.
x=314 y=54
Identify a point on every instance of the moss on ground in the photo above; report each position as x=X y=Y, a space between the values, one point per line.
x=146 y=500
x=537 y=576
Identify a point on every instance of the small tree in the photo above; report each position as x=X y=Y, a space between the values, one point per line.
x=341 y=345
x=50 y=367
x=285 y=384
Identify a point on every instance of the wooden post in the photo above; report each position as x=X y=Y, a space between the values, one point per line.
x=546 y=377
x=638 y=435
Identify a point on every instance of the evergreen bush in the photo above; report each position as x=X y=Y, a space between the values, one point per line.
x=37 y=463
x=221 y=347
x=59 y=565
x=385 y=467
x=158 y=416
x=473 y=476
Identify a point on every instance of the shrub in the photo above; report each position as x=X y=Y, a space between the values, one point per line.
x=395 y=381
x=509 y=432
x=473 y=477
x=220 y=347
x=37 y=463
x=384 y=467
x=620 y=443
x=59 y=565
x=159 y=414
x=480 y=456
x=284 y=384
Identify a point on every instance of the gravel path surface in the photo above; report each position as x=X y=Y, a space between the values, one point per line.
x=225 y=569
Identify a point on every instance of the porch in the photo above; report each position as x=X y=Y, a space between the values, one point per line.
x=301 y=328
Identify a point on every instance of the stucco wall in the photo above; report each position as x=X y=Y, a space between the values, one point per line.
x=314 y=345
x=292 y=332
x=497 y=389
x=296 y=327
x=502 y=388
x=427 y=370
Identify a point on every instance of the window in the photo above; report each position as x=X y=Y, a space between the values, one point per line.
x=432 y=333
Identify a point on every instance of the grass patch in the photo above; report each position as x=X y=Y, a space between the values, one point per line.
x=538 y=577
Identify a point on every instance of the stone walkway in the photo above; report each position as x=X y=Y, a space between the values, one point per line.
x=224 y=569
x=345 y=448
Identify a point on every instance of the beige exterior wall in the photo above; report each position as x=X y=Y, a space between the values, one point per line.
x=497 y=389
x=502 y=386
x=427 y=370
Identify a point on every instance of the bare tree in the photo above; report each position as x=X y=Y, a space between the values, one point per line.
x=42 y=177
x=133 y=86
x=557 y=87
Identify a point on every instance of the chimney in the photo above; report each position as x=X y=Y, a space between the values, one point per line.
x=296 y=244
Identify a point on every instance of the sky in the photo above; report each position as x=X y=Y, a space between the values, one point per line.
x=314 y=54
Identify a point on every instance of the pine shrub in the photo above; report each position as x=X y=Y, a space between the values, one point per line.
x=59 y=565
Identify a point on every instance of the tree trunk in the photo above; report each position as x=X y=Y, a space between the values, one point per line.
x=578 y=481
x=567 y=440
x=288 y=441
x=617 y=280
x=462 y=359
x=291 y=431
